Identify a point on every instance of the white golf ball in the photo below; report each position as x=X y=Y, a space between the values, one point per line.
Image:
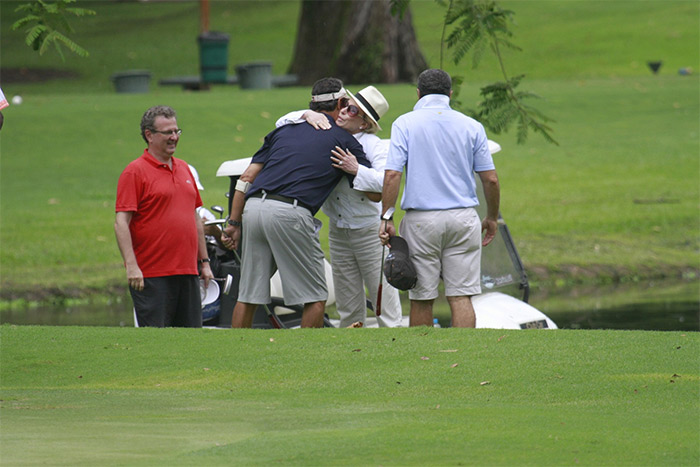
x=17 y=100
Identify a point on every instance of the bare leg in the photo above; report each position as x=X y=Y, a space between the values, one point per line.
x=421 y=313
x=313 y=314
x=462 y=312
x=243 y=314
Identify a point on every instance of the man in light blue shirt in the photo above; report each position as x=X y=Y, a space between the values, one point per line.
x=440 y=150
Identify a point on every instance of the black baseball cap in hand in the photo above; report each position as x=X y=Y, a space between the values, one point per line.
x=398 y=268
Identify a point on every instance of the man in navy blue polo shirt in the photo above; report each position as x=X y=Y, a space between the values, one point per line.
x=275 y=200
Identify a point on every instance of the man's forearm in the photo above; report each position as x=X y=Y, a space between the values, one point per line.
x=492 y=192
x=390 y=190
x=123 y=235
x=237 y=205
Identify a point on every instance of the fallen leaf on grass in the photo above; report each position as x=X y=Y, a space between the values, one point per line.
x=357 y=350
x=454 y=365
x=484 y=383
x=425 y=358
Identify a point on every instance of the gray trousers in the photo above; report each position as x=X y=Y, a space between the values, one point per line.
x=356 y=256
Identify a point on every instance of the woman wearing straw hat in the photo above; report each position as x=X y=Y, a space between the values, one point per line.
x=353 y=216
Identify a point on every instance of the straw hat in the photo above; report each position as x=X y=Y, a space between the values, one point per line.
x=372 y=103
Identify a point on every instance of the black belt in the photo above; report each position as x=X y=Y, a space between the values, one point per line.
x=284 y=199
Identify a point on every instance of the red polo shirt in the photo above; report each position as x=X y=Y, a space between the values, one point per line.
x=163 y=202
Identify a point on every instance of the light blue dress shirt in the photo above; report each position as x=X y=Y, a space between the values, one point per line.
x=440 y=149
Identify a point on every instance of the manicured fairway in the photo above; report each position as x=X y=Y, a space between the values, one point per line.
x=110 y=396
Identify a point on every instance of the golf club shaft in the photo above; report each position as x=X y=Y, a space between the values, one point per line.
x=379 y=289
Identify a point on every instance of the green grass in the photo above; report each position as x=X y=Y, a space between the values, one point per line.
x=160 y=37
x=619 y=194
x=559 y=40
x=87 y=396
x=619 y=198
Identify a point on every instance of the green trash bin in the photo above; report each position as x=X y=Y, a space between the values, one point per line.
x=255 y=75
x=213 y=56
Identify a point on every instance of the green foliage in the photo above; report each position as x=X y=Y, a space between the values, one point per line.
x=476 y=25
x=398 y=7
x=47 y=25
x=473 y=26
x=502 y=105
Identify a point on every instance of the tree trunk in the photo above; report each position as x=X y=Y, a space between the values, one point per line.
x=356 y=41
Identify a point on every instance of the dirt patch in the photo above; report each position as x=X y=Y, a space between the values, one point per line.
x=51 y=294
x=569 y=274
x=34 y=75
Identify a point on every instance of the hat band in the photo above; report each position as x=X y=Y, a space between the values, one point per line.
x=329 y=97
x=369 y=107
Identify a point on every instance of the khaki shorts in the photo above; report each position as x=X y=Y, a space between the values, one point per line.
x=280 y=236
x=444 y=244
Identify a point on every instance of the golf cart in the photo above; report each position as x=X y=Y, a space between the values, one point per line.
x=502 y=304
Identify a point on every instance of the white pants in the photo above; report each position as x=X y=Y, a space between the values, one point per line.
x=356 y=257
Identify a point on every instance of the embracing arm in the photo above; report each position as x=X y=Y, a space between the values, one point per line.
x=317 y=120
x=368 y=180
x=372 y=178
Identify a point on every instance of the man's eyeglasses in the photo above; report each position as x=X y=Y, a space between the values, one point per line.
x=177 y=132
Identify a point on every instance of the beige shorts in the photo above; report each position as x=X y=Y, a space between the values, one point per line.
x=444 y=244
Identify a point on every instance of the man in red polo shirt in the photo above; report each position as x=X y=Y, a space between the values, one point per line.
x=158 y=230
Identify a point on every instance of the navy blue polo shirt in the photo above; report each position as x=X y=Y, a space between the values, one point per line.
x=297 y=162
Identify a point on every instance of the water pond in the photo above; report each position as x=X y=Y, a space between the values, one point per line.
x=660 y=306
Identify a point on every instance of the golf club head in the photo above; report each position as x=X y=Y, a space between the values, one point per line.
x=228 y=280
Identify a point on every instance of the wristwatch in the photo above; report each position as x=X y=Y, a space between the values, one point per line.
x=204 y=260
x=234 y=223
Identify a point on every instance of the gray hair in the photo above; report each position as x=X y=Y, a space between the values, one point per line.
x=434 y=81
x=149 y=118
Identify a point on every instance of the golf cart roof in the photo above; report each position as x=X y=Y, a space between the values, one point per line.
x=233 y=168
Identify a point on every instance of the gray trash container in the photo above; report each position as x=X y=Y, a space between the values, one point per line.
x=131 y=81
x=255 y=75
